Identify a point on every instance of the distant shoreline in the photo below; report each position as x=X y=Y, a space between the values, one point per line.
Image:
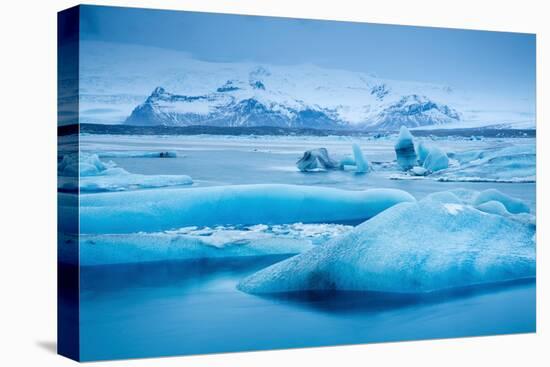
x=281 y=131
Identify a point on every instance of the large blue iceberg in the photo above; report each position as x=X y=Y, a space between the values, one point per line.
x=437 y=243
x=165 y=209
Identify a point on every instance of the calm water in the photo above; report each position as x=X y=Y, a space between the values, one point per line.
x=174 y=308
x=193 y=307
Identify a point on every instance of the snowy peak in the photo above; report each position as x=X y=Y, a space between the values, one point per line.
x=224 y=108
x=414 y=111
x=236 y=104
x=171 y=88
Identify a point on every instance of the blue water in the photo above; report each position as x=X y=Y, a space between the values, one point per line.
x=177 y=308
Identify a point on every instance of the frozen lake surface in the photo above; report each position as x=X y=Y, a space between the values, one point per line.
x=184 y=307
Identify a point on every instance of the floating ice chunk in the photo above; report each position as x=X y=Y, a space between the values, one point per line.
x=83 y=164
x=347 y=161
x=204 y=242
x=165 y=209
x=138 y=154
x=496 y=207
x=122 y=181
x=404 y=149
x=316 y=159
x=410 y=248
x=502 y=164
x=361 y=164
x=423 y=151
x=512 y=205
x=436 y=160
x=96 y=176
x=144 y=247
x=493 y=207
x=419 y=171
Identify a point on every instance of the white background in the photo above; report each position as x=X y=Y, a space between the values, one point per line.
x=28 y=182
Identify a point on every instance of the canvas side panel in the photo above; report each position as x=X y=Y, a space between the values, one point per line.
x=68 y=329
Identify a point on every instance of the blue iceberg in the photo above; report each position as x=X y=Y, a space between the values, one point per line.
x=315 y=160
x=433 y=244
x=512 y=205
x=165 y=209
x=96 y=175
x=511 y=164
x=204 y=243
x=404 y=149
x=423 y=150
x=361 y=164
x=436 y=160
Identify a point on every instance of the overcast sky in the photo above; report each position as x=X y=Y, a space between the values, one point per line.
x=493 y=62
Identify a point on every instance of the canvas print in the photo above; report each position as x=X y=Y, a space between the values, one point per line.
x=235 y=183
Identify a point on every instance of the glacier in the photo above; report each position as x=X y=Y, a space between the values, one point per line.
x=165 y=209
x=96 y=175
x=437 y=243
x=404 y=149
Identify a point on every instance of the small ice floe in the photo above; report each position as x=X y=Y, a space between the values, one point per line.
x=505 y=164
x=509 y=164
x=419 y=171
x=440 y=242
x=138 y=154
x=206 y=242
x=95 y=175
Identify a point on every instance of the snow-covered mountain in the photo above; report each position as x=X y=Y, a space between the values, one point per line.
x=141 y=85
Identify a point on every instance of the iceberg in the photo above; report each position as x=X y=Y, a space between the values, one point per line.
x=434 y=244
x=98 y=176
x=404 y=149
x=423 y=151
x=436 y=160
x=317 y=159
x=512 y=205
x=111 y=249
x=361 y=164
x=205 y=243
x=503 y=164
x=165 y=209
